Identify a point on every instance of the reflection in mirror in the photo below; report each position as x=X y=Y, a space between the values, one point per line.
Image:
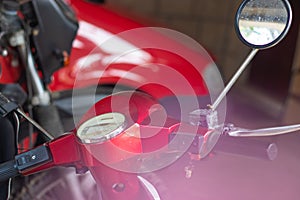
x=262 y=22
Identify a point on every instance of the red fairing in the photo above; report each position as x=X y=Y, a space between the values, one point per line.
x=143 y=58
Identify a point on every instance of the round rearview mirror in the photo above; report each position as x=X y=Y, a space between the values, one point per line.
x=262 y=24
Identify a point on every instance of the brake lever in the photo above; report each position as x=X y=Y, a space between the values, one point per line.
x=233 y=131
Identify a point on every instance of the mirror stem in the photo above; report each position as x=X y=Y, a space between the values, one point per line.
x=233 y=79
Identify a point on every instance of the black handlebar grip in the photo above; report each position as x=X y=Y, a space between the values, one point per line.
x=247 y=147
x=8 y=170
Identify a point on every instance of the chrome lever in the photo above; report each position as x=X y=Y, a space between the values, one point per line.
x=233 y=131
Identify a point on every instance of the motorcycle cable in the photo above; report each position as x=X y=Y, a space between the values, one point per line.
x=17 y=120
x=29 y=119
x=9 y=106
x=9 y=189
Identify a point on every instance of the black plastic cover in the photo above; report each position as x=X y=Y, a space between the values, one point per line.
x=6 y=106
x=14 y=92
x=57 y=27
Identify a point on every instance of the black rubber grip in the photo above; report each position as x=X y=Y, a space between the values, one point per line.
x=247 y=147
x=8 y=170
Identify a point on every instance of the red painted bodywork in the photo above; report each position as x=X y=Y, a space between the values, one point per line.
x=141 y=136
x=157 y=68
x=9 y=73
x=147 y=75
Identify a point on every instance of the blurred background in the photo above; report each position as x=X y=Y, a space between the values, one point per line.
x=269 y=89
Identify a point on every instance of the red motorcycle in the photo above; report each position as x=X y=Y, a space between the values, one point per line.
x=169 y=116
x=110 y=53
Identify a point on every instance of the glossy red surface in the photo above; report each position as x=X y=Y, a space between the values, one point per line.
x=117 y=160
x=8 y=73
x=156 y=67
x=109 y=161
x=64 y=151
x=136 y=107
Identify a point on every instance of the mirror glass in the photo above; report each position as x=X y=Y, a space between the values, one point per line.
x=263 y=22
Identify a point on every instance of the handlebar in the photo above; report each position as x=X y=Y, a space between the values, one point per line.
x=243 y=146
x=42 y=154
x=8 y=170
x=247 y=147
x=24 y=161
